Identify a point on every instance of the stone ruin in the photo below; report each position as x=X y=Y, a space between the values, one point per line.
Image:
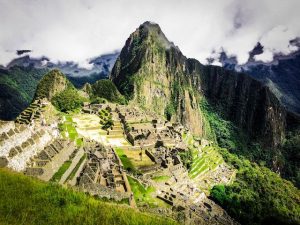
x=95 y=108
x=47 y=161
x=143 y=129
x=33 y=112
x=20 y=143
x=103 y=173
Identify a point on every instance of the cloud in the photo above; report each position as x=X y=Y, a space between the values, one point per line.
x=80 y=29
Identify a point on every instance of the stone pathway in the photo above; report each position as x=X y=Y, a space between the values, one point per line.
x=74 y=163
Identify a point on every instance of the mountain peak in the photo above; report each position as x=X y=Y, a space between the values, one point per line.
x=150 y=25
x=51 y=84
x=154 y=32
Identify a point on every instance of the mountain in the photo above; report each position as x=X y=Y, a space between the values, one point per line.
x=152 y=72
x=19 y=79
x=281 y=75
x=232 y=109
x=100 y=67
x=51 y=84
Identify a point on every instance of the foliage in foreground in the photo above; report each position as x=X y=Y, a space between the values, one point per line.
x=25 y=200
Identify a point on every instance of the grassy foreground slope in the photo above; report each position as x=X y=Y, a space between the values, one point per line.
x=26 y=200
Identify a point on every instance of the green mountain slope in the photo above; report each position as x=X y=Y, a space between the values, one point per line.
x=18 y=85
x=17 y=88
x=255 y=186
x=105 y=89
x=25 y=200
x=51 y=84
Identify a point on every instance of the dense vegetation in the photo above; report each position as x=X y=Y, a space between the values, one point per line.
x=67 y=100
x=17 y=88
x=227 y=135
x=107 y=89
x=291 y=157
x=25 y=200
x=80 y=81
x=258 y=196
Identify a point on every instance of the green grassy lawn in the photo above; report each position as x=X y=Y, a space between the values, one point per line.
x=69 y=127
x=127 y=164
x=144 y=195
x=29 y=201
x=57 y=176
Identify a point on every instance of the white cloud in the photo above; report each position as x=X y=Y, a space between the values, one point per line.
x=80 y=29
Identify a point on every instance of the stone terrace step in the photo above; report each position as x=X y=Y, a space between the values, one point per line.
x=52 y=167
x=74 y=163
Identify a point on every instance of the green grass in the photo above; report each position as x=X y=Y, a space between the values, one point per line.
x=79 y=142
x=160 y=178
x=144 y=195
x=57 y=176
x=72 y=174
x=127 y=164
x=69 y=127
x=209 y=158
x=26 y=200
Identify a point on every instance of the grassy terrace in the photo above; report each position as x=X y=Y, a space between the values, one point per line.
x=57 y=176
x=68 y=127
x=145 y=195
x=25 y=200
x=72 y=174
x=209 y=160
x=127 y=164
x=203 y=159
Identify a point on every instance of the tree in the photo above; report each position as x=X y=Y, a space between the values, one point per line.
x=67 y=100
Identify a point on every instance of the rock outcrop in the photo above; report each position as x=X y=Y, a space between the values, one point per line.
x=243 y=100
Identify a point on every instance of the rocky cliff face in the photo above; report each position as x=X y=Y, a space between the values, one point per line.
x=243 y=100
x=150 y=71
x=281 y=76
x=153 y=73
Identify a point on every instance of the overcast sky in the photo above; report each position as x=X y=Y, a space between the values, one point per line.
x=77 y=30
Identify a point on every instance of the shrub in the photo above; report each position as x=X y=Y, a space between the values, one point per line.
x=98 y=100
